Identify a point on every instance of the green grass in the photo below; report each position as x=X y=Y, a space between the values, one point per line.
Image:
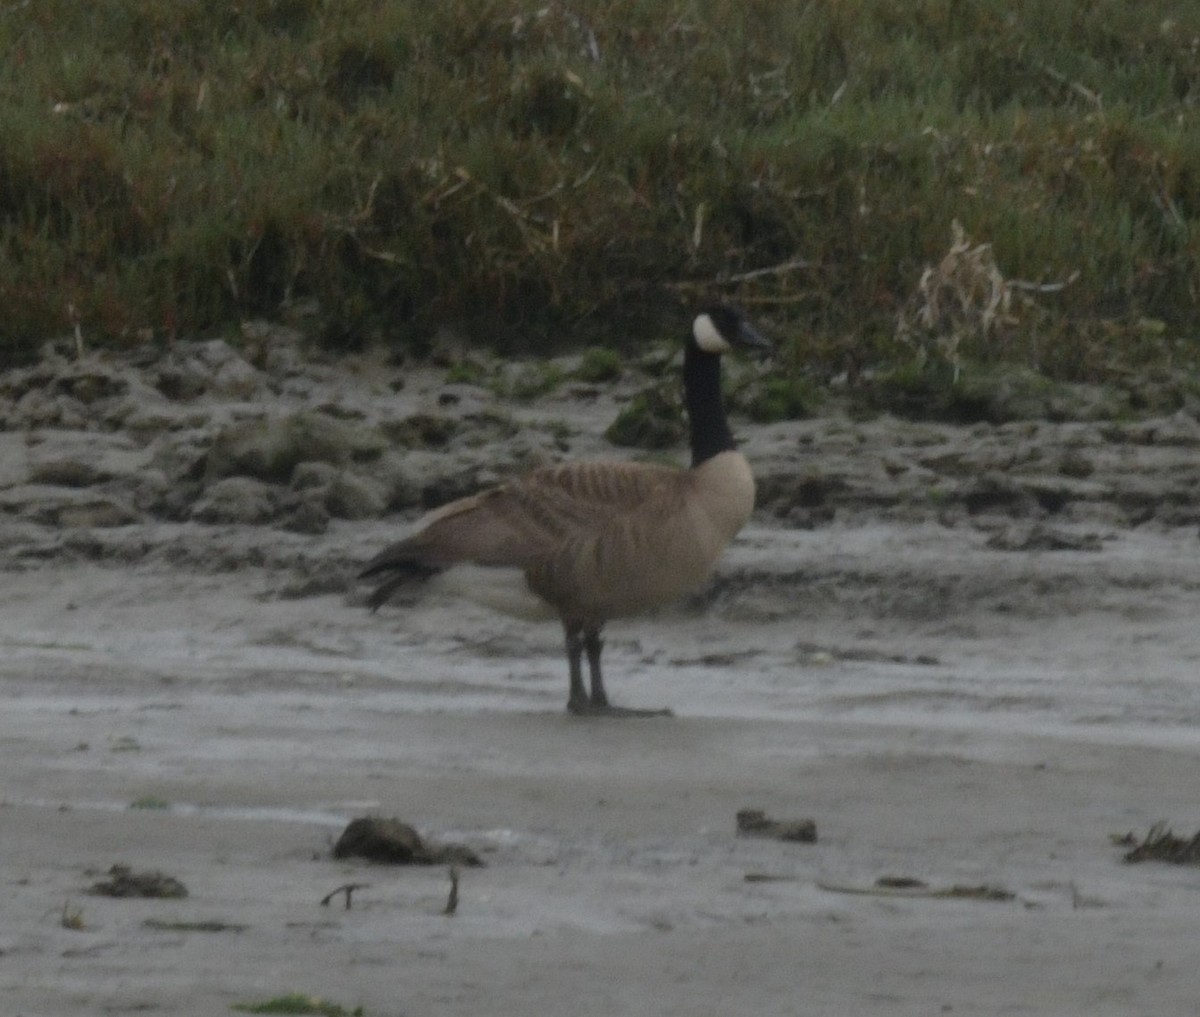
x=298 y=1003
x=544 y=176
x=599 y=364
x=525 y=382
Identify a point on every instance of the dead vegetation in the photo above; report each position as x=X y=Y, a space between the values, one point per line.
x=124 y=882
x=1161 y=845
x=963 y=299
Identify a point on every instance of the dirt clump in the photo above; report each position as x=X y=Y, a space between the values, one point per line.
x=391 y=842
x=756 y=823
x=124 y=882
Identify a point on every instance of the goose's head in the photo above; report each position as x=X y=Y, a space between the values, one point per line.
x=721 y=328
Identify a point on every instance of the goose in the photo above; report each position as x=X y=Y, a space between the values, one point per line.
x=597 y=540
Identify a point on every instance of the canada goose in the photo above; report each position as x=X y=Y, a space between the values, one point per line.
x=601 y=540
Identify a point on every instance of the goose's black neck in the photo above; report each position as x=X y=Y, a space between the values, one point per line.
x=710 y=432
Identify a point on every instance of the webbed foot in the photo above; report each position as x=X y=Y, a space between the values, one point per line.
x=586 y=708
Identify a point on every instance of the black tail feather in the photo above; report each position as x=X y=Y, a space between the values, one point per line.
x=399 y=573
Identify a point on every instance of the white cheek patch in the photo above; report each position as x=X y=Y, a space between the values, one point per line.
x=707 y=337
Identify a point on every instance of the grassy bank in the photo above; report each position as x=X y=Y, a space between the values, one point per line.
x=535 y=175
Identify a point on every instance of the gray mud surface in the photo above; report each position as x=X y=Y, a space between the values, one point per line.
x=970 y=654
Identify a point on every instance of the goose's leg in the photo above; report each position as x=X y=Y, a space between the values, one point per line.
x=597 y=705
x=593 y=644
x=577 y=699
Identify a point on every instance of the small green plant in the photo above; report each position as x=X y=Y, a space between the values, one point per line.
x=422 y=430
x=560 y=432
x=124 y=743
x=71 y=918
x=466 y=372
x=529 y=381
x=933 y=390
x=774 y=398
x=165 y=925
x=599 y=364
x=298 y=1003
x=652 y=420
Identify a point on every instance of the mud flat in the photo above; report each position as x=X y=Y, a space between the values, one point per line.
x=969 y=654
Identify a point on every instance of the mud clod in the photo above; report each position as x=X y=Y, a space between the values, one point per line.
x=124 y=882
x=391 y=842
x=755 y=823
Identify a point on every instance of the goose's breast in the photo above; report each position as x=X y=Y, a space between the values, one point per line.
x=652 y=558
x=723 y=487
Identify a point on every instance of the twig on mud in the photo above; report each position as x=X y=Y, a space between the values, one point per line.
x=347 y=889
x=452 y=900
x=920 y=891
